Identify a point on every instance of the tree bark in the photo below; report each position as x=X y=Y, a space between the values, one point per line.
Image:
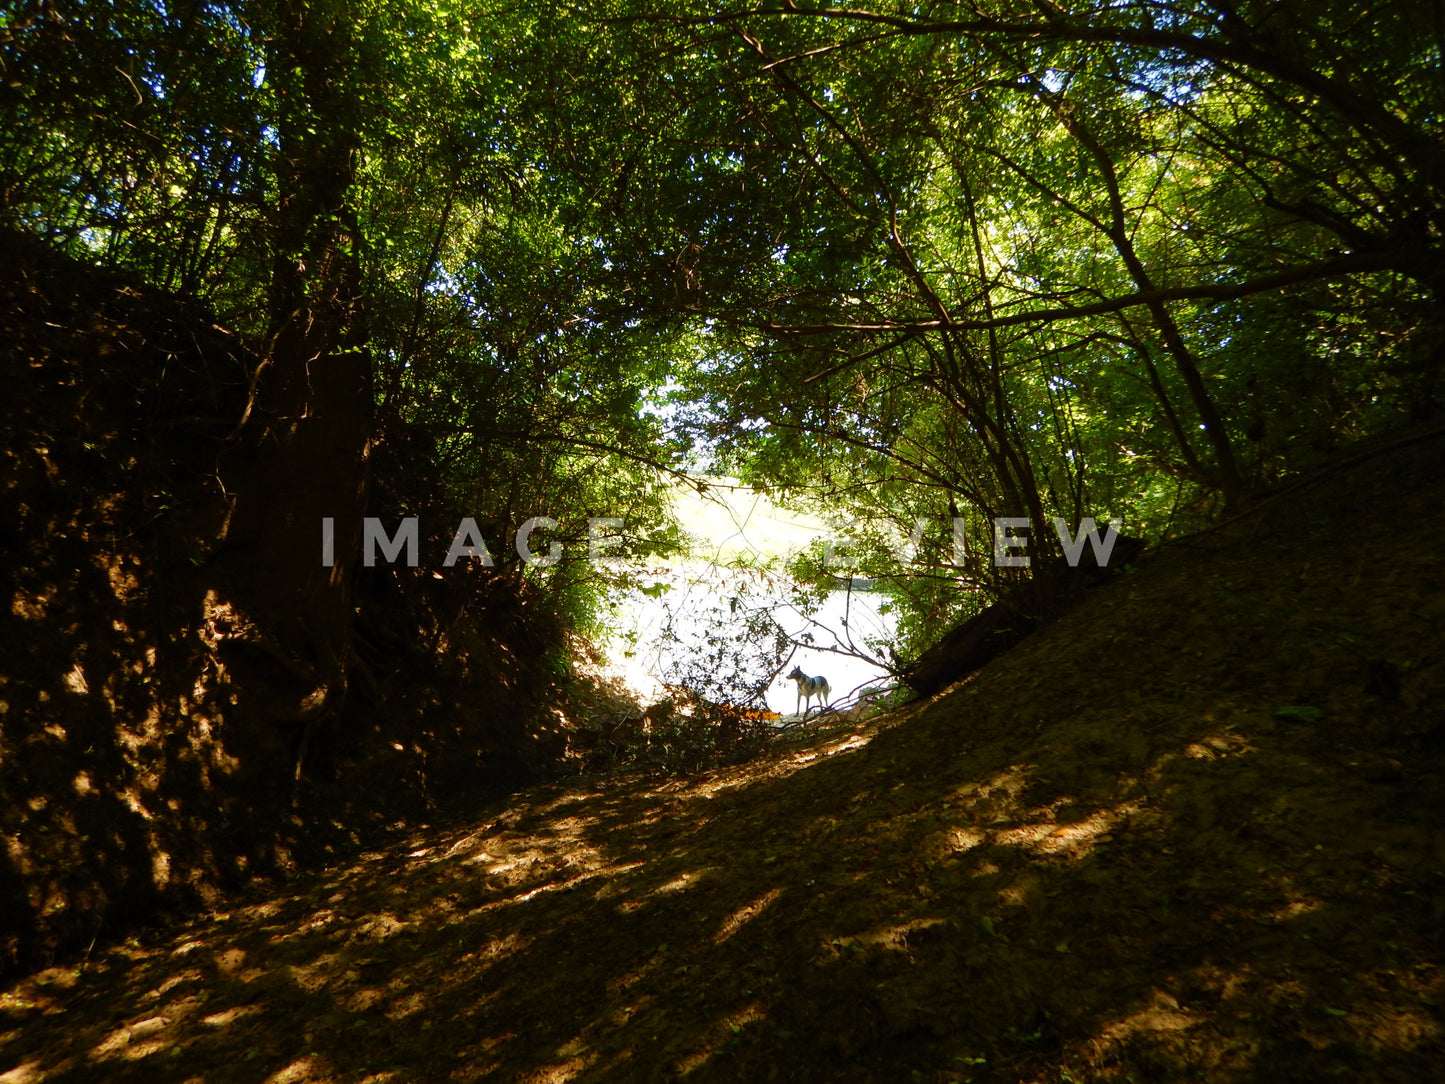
x=310 y=420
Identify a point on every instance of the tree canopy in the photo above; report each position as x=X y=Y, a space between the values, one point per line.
x=1052 y=258
x=919 y=263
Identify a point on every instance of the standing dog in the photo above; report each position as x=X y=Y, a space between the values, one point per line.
x=809 y=687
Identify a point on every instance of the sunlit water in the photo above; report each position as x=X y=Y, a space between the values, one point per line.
x=829 y=641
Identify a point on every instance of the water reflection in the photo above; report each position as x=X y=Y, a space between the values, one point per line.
x=656 y=639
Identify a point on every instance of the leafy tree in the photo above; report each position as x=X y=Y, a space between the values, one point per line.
x=1053 y=260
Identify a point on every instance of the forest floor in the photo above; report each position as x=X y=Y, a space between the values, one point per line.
x=1189 y=832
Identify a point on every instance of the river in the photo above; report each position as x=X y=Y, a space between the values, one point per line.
x=663 y=638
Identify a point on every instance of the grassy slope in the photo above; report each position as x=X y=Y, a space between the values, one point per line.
x=1190 y=832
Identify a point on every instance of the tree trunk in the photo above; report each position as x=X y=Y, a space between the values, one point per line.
x=309 y=422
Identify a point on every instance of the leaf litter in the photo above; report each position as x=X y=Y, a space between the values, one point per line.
x=1190 y=831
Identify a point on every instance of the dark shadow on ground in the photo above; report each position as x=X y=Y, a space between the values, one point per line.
x=1190 y=832
x=143 y=771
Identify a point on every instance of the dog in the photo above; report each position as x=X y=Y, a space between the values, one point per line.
x=809 y=687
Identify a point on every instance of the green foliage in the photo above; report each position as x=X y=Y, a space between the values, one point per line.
x=901 y=261
x=726 y=650
x=1108 y=263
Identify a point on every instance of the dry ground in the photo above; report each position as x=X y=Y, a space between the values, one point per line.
x=1191 y=832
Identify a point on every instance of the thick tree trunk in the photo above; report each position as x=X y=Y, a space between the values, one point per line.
x=310 y=420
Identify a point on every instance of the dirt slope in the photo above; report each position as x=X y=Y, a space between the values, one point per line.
x=148 y=754
x=1189 y=833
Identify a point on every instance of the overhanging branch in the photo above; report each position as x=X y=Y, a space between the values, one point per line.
x=1413 y=262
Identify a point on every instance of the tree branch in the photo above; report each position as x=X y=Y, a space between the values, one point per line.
x=1412 y=261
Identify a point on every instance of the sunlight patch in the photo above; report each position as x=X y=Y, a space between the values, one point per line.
x=410 y=1005
x=75 y=680
x=131 y=797
x=380 y=927
x=845 y=745
x=190 y=974
x=558 y=1074
x=1295 y=908
x=1023 y=835
x=710 y=788
x=160 y=868
x=893 y=938
x=130 y=1039
x=498 y=947
x=317 y=922
x=229 y=962
x=964 y=839
x=678 y=884
x=1162 y=1014
x=229 y=1016
x=27 y=606
x=611 y=888
x=745 y=914
x=1081 y=837
x=299 y=1071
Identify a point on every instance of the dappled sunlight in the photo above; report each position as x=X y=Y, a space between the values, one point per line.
x=404 y=1003
x=379 y=927
x=315 y=975
x=744 y=914
x=679 y=884
x=1081 y=837
x=1223 y=743
x=1161 y=1014
x=1189 y=831
x=1400 y=1030
x=1010 y=823
x=992 y=885
x=74 y=680
x=324 y=941
x=176 y=978
x=843 y=745
x=134 y=1041
x=889 y=939
x=959 y=840
x=856 y=878
x=1293 y=908
x=727 y=1029
x=229 y=1016
x=567 y=1069
x=1217 y=1034
x=307 y=1070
